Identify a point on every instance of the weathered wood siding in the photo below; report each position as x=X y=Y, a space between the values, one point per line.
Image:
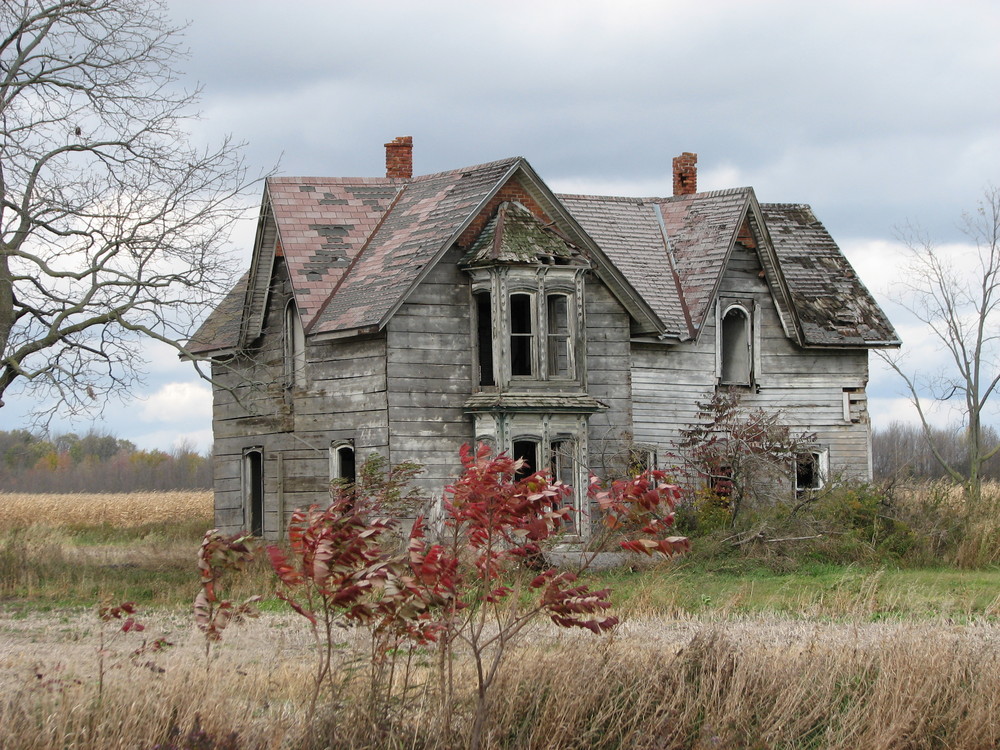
x=430 y=375
x=608 y=376
x=806 y=385
x=345 y=399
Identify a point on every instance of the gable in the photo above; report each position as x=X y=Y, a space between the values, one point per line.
x=833 y=307
x=675 y=251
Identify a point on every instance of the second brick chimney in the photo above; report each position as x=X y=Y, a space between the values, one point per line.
x=399 y=157
x=686 y=174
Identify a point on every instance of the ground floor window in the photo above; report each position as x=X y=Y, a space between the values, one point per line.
x=253 y=490
x=810 y=471
x=342 y=462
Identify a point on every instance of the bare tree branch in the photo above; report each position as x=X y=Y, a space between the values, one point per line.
x=111 y=221
x=960 y=305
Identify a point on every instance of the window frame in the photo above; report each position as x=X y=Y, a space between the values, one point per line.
x=723 y=354
x=294 y=347
x=337 y=463
x=252 y=489
x=820 y=460
x=530 y=337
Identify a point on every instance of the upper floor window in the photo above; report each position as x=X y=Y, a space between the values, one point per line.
x=736 y=354
x=522 y=335
x=484 y=338
x=295 y=347
x=559 y=338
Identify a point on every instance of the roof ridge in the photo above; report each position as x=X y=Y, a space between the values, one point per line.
x=306 y=179
x=655 y=199
x=464 y=170
x=788 y=205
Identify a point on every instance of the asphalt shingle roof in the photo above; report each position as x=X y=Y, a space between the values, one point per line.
x=427 y=213
x=833 y=306
x=355 y=246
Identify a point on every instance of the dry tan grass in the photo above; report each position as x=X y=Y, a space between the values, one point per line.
x=656 y=683
x=125 y=509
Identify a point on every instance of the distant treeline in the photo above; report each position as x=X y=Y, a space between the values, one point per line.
x=99 y=462
x=95 y=462
x=901 y=451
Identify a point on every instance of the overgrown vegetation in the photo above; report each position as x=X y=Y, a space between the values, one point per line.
x=739 y=642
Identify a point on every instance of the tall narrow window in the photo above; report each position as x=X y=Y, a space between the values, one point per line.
x=484 y=338
x=295 y=347
x=253 y=490
x=522 y=335
x=558 y=344
x=736 y=355
x=342 y=463
x=562 y=467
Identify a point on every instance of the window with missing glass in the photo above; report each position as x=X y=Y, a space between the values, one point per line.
x=522 y=335
x=736 y=346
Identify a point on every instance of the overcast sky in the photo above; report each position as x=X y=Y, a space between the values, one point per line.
x=878 y=114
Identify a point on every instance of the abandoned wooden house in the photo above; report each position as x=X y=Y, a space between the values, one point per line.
x=409 y=315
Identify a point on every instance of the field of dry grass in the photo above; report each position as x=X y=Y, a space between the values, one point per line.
x=832 y=658
x=693 y=682
x=123 y=510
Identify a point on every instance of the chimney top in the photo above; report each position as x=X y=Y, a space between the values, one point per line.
x=686 y=174
x=399 y=157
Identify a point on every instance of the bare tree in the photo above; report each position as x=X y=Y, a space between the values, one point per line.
x=958 y=300
x=111 y=221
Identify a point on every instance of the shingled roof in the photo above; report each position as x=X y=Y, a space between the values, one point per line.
x=674 y=251
x=355 y=247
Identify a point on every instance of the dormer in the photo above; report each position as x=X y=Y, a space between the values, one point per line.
x=527 y=287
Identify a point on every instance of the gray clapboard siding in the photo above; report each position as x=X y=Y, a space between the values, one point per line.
x=430 y=374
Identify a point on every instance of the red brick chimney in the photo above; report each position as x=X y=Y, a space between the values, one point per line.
x=399 y=157
x=686 y=174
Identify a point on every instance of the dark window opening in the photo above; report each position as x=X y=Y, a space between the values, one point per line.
x=253 y=490
x=528 y=451
x=484 y=337
x=345 y=464
x=736 y=357
x=522 y=335
x=808 y=472
x=557 y=308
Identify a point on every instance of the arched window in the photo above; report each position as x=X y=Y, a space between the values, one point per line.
x=295 y=347
x=342 y=463
x=736 y=354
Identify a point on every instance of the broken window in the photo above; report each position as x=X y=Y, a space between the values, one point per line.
x=295 y=348
x=559 y=340
x=810 y=471
x=484 y=338
x=342 y=463
x=253 y=490
x=522 y=336
x=527 y=450
x=736 y=354
x=562 y=466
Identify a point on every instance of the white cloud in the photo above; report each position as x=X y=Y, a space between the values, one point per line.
x=177 y=402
